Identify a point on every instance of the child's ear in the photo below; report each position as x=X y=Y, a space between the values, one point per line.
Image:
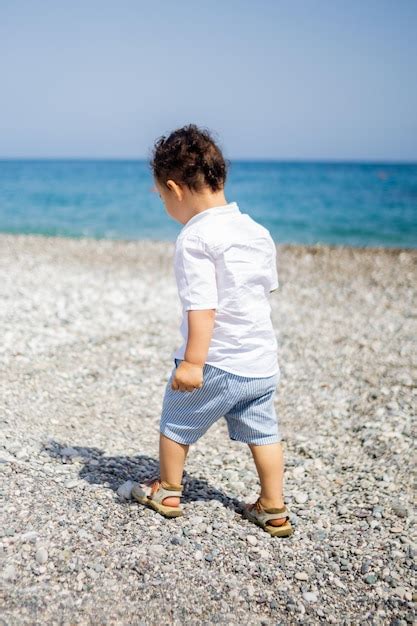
x=176 y=189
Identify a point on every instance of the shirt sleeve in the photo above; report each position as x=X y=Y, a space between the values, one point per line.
x=274 y=273
x=195 y=272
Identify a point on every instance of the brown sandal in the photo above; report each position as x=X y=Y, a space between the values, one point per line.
x=153 y=492
x=260 y=516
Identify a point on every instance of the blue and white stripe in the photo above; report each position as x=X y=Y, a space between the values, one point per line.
x=246 y=403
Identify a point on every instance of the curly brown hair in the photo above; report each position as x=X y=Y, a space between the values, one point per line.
x=189 y=155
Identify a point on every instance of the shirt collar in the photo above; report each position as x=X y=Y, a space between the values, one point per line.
x=222 y=209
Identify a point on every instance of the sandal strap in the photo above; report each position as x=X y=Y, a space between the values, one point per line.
x=266 y=516
x=165 y=490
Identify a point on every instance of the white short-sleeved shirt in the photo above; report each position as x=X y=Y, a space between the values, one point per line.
x=224 y=260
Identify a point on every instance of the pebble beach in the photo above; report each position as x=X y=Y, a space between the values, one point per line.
x=87 y=331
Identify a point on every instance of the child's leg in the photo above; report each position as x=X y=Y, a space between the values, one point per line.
x=185 y=417
x=172 y=457
x=269 y=461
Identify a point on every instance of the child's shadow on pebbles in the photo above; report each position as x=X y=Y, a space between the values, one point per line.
x=115 y=471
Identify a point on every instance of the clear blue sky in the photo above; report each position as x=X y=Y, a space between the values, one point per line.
x=287 y=80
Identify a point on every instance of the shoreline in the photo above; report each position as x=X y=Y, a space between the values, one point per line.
x=287 y=245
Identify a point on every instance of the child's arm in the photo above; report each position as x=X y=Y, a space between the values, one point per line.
x=195 y=271
x=189 y=374
x=200 y=328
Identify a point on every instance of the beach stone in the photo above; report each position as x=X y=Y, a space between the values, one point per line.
x=41 y=555
x=29 y=536
x=238 y=486
x=301 y=497
x=252 y=540
x=125 y=490
x=298 y=472
x=397 y=554
x=399 y=591
x=301 y=576
x=22 y=454
x=9 y=573
x=176 y=541
x=6 y=458
x=200 y=529
x=84 y=534
x=400 y=511
x=70 y=452
x=371 y=579
x=70 y=484
x=157 y=549
x=264 y=554
x=310 y=596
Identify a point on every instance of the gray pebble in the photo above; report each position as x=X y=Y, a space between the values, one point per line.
x=99 y=567
x=9 y=573
x=70 y=484
x=301 y=497
x=399 y=591
x=370 y=579
x=69 y=452
x=157 y=549
x=400 y=511
x=252 y=540
x=310 y=596
x=125 y=490
x=29 y=536
x=41 y=555
x=176 y=541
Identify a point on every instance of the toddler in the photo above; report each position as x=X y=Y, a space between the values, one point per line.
x=225 y=268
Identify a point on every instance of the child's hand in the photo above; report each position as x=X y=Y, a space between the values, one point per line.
x=188 y=377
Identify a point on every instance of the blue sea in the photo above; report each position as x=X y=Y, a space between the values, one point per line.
x=355 y=204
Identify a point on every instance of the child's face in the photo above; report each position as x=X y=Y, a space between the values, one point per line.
x=172 y=195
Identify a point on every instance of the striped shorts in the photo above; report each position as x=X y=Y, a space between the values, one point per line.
x=246 y=403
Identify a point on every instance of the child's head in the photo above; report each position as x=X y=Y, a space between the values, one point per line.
x=187 y=166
